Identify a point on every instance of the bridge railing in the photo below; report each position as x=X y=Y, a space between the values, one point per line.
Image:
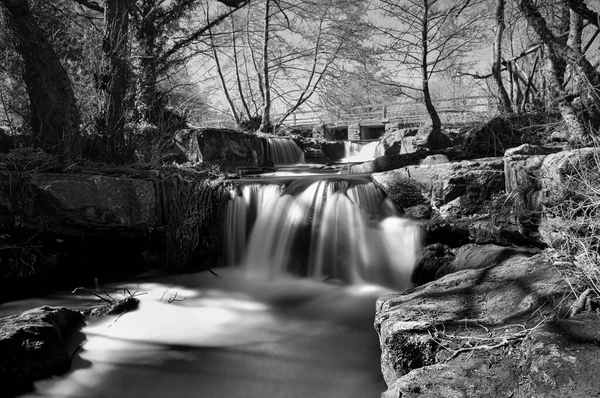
x=450 y=110
x=473 y=108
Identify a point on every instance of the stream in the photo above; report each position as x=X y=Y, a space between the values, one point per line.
x=291 y=316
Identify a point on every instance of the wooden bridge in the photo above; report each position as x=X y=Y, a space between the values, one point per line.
x=450 y=110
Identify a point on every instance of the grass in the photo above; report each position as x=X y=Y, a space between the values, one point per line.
x=574 y=224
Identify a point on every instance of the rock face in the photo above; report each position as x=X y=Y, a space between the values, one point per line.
x=538 y=180
x=386 y=163
x=477 y=332
x=461 y=187
x=33 y=346
x=231 y=147
x=398 y=140
x=92 y=201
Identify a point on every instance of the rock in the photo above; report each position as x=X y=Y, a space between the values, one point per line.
x=474 y=256
x=334 y=150
x=434 y=159
x=397 y=140
x=188 y=146
x=231 y=148
x=312 y=155
x=453 y=234
x=33 y=346
x=545 y=181
x=386 y=163
x=558 y=359
x=92 y=201
x=429 y=260
x=403 y=191
x=438 y=140
x=414 y=327
x=493 y=138
x=418 y=212
x=475 y=183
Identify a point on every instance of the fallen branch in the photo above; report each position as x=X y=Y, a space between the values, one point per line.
x=478 y=343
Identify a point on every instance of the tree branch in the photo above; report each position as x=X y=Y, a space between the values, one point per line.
x=92 y=5
x=194 y=36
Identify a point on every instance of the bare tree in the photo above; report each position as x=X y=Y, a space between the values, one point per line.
x=268 y=70
x=423 y=39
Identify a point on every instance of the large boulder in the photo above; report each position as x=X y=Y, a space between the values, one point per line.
x=77 y=201
x=231 y=148
x=386 y=163
x=474 y=256
x=464 y=187
x=537 y=182
x=187 y=147
x=400 y=140
x=335 y=150
x=478 y=322
x=34 y=345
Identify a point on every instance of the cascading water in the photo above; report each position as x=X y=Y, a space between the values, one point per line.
x=283 y=151
x=361 y=152
x=334 y=228
x=242 y=335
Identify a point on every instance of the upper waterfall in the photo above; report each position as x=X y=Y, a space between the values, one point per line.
x=283 y=151
x=361 y=152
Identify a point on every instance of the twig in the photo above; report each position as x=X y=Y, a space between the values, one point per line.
x=94 y=294
x=174 y=298
x=163 y=295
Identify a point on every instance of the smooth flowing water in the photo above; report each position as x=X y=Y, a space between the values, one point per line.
x=283 y=151
x=231 y=336
x=291 y=316
x=362 y=152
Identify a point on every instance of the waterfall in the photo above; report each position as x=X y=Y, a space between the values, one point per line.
x=361 y=152
x=327 y=229
x=283 y=151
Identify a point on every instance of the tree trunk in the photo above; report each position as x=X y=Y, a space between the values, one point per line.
x=55 y=117
x=554 y=77
x=436 y=123
x=559 y=47
x=505 y=105
x=266 y=113
x=147 y=97
x=574 y=41
x=115 y=47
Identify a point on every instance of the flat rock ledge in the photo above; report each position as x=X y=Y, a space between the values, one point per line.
x=33 y=345
x=489 y=332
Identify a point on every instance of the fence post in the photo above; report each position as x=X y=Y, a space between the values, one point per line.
x=294 y=118
x=384 y=112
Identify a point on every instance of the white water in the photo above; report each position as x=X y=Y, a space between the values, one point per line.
x=326 y=229
x=232 y=336
x=283 y=151
x=360 y=152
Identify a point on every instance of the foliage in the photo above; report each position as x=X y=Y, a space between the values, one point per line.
x=197 y=204
x=575 y=223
